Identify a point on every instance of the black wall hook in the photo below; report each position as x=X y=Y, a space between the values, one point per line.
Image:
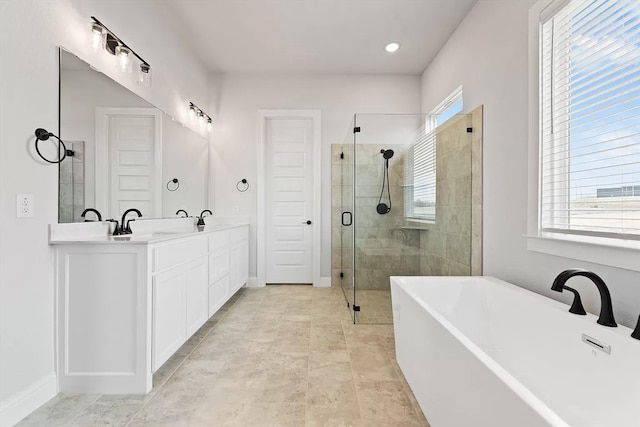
x=44 y=135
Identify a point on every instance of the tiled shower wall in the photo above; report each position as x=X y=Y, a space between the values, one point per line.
x=453 y=245
x=71 y=179
x=387 y=245
x=383 y=246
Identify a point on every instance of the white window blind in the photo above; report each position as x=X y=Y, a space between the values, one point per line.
x=420 y=189
x=590 y=118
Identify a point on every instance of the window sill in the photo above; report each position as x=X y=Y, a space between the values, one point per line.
x=599 y=250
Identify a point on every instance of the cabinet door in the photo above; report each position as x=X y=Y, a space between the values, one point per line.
x=234 y=269
x=244 y=263
x=218 y=264
x=197 y=294
x=168 y=314
x=218 y=294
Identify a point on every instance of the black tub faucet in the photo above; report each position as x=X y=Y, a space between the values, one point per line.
x=201 y=217
x=127 y=229
x=95 y=211
x=186 y=215
x=606 y=309
x=636 y=332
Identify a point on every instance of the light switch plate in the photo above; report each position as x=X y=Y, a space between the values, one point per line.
x=24 y=206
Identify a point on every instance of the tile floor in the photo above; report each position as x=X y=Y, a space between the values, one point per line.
x=274 y=356
x=375 y=307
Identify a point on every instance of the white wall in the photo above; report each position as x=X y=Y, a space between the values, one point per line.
x=30 y=30
x=488 y=56
x=235 y=101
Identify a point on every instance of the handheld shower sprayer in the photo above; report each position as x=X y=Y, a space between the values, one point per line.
x=383 y=208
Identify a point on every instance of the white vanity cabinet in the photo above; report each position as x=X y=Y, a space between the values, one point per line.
x=239 y=269
x=125 y=306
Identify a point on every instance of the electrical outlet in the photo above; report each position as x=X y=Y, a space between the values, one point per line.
x=24 y=206
x=236 y=209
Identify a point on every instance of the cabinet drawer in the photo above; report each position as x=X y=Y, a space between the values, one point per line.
x=218 y=294
x=176 y=253
x=239 y=234
x=218 y=265
x=219 y=239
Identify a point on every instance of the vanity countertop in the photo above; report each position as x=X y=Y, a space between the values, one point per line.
x=142 y=238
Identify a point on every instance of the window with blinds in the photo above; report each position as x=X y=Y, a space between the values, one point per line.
x=420 y=190
x=590 y=118
x=420 y=187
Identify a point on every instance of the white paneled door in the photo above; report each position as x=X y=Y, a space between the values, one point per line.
x=131 y=162
x=289 y=200
x=128 y=160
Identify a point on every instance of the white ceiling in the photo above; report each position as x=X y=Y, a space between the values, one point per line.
x=319 y=36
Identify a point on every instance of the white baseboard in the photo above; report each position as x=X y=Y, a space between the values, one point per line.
x=325 y=282
x=17 y=407
x=252 y=282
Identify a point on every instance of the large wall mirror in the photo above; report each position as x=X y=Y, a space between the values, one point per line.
x=126 y=152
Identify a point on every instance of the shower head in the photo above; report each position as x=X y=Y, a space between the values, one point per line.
x=387 y=154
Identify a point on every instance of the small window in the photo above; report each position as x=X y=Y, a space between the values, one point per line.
x=590 y=118
x=420 y=188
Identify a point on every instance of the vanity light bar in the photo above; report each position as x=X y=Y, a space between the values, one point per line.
x=112 y=42
x=196 y=112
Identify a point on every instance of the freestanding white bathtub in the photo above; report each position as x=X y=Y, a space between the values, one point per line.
x=477 y=351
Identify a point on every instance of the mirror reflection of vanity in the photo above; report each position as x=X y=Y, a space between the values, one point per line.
x=126 y=152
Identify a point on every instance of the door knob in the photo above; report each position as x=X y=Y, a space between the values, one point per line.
x=308 y=222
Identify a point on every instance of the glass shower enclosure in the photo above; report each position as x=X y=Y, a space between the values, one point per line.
x=402 y=206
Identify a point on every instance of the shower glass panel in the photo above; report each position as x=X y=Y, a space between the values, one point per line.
x=406 y=182
x=343 y=230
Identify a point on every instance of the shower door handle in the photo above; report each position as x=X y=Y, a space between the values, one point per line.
x=350 y=219
x=308 y=222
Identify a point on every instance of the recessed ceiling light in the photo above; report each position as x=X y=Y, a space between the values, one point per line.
x=392 y=47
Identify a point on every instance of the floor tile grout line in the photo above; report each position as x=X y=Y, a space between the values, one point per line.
x=353 y=373
x=85 y=409
x=161 y=386
x=403 y=383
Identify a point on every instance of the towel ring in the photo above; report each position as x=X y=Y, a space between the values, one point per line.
x=176 y=182
x=242 y=185
x=43 y=135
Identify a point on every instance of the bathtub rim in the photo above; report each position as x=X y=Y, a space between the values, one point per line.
x=509 y=380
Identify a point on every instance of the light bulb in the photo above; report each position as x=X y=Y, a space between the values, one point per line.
x=209 y=125
x=201 y=118
x=124 y=58
x=392 y=47
x=144 y=77
x=192 y=112
x=97 y=37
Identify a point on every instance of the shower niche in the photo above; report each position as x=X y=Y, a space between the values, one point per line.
x=406 y=201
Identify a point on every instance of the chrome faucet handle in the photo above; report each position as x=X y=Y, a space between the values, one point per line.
x=636 y=332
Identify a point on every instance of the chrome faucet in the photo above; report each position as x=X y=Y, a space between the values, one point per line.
x=186 y=215
x=84 y=212
x=127 y=229
x=201 y=217
x=606 y=309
